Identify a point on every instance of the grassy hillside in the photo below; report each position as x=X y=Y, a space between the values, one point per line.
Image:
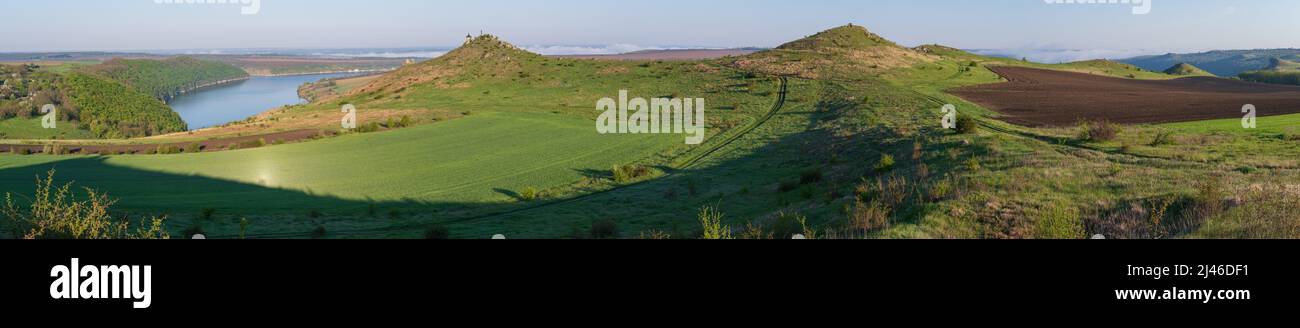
x=164 y=79
x=809 y=138
x=845 y=52
x=1225 y=63
x=1278 y=71
x=1185 y=69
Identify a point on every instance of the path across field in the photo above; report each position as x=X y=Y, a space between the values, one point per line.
x=1037 y=97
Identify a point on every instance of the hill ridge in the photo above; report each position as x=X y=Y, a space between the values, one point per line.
x=1185 y=69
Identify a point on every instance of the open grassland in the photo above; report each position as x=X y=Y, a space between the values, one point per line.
x=31 y=128
x=853 y=152
x=433 y=163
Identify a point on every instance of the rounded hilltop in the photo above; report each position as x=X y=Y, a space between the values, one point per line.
x=1185 y=69
x=849 y=51
x=844 y=37
x=479 y=57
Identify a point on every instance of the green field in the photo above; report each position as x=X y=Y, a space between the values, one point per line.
x=463 y=161
x=30 y=128
x=857 y=151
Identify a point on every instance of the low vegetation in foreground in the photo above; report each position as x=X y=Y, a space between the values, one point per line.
x=796 y=148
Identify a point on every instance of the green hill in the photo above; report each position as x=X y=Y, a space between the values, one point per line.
x=168 y=78
x=1225 y=63
x=1278 y=71
x=848 y=51
x=1185 y=69
x=828 y=136
x=1278 y=64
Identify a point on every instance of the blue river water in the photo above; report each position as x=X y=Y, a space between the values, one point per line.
x=236 y=101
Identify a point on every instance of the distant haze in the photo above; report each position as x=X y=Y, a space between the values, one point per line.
x=1025 y=28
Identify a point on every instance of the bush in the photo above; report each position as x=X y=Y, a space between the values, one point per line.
x=711 y=220
x=967 y=125
x=1162 y=138
x=886 y=164
x=628 y=173
x=787 y=225
x=940 y=190
x=868 y=217
x=437 y=232
x=1100 y=131
x=207 y=213
x=54 y=214
x=528 y=194
x=604 y=229
x=394 y=214
x=193 y=147
x=1059 y=222
x=315 y=214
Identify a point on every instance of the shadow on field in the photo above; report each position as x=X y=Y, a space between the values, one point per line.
x=744 y=180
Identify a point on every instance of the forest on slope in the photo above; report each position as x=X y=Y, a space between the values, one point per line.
x=165 y=79
x=120 y=98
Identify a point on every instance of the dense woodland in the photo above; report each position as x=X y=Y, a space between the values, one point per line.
x=164 y=79
x=1274 y=77
x=120 y=98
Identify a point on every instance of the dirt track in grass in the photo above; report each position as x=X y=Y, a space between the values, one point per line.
x=1039 y=98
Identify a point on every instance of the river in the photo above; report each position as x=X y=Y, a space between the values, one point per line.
x=237 y=101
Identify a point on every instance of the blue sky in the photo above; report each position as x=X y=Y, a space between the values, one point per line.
x=1023 y=25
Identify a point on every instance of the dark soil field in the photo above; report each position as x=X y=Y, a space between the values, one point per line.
x=1038 y=98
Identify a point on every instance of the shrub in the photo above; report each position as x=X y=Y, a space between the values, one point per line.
x=973 y=164
x=437 y=232
x=886 y=164
x=315 y=214
x=1059 y=222
x=1162 y=138
x=711 y=220
x=207 y=213
x=604 y=229
x=628 y=173
x=786 y=225
x=1100 y=131
x=528 y=194
x=394 y=214
x=940 y=190
x=193 y=147
x=967 y=125
x=868 y=217
x=167 y=150
x=54 y=214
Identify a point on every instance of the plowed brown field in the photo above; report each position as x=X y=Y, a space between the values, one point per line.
x=1038 y=97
